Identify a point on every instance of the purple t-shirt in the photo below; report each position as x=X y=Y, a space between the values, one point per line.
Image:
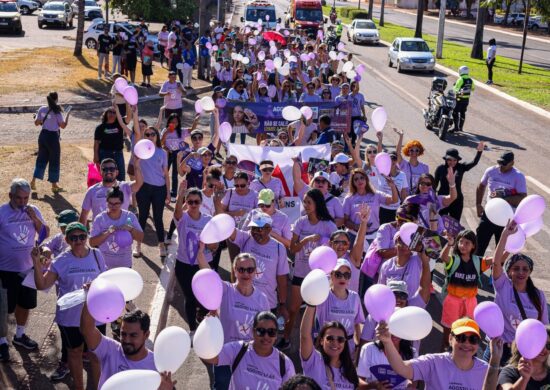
x=271 y=262
x=494 y=179
x=303 y=228
x=174 y=143
x=96 y=197
x=57 y=244
x=72 y=273
x=410 y=273
x=352 y=205
x=315 y=368
x=234 y=201
x=424 y=213
x=152 y=169
x=17 y=235
x=52 y=121
x=347 y=311
x=113 y=360
x=384 y=236
x=334 y=206
x=275 y=185
x=115 y=255
x=189 y=231
x=504 y=298
x=237 y=312
x=413 y=173
x=172 y=101
x=254 y=371
x=438 y=371
x=280 y=224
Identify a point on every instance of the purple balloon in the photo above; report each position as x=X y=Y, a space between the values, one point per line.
x=221 y=103
x=380 y=302
x=130 y=95
x=530 y=338
x=208 y=289
x=489 y=318
x=382 y=161
x=198 y=107
x=123 y=238
x=269 y=65
x=529 y=209
x=323 y=258
x=105 y=301
x=358 y=78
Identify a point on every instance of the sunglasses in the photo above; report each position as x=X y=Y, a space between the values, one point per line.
x=248 y=270
x=320 y=181
x=210 y=185
x=425 y=184
x=257 y=228
x=148 y=135
x=231 y=162
x=261 y=332
x=414 y=150
x=78 y=237
x=267 y=170
x=340 y=275
x=264 y=206
x=401 y=296
x=359 y=178
x=338 y=339
x=340 y=242
x=472 y=339
x=371 y=151
x=193 y=202
x=109 y=169
x=196 y=137
x=114 y=204
x=240 y=185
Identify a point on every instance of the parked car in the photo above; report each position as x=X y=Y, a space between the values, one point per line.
x=56 y=13
x=89 y=6
x=10 y=17
x=514 y=19
x=411 y=54
x=536 y=22
x=363 y=30
x=27 y=7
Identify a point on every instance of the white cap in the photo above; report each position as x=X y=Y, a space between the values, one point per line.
x=341 y=263
x=260 y=220
x=340 y=158
x=322 y=174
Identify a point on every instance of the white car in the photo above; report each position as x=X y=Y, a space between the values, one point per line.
x=363 y=30
x=90 y=6
x=57 y=13
x=411 y=54
x=27 y=7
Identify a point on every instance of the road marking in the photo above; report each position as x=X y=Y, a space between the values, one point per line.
x=538 y=184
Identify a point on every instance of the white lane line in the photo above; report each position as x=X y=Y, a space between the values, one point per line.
x=538 y=184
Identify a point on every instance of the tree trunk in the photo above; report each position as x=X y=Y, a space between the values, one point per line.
x=477 y=47
x=204 y=19
x=506 y=13
x=419 y=19
x=382 y=5
x=371 y=6
x=525 y=24
x=79 y=30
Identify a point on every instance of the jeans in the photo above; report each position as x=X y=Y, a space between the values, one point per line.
x=205 y=63
x=490 y=65
x=485 y=231
x=184 y=275
x=234 y=136
x=222 y=377
x=173 y=163
x=118 y=156
x=116 y=65
x=49 y=153
x=147 y=196
x=102 y=58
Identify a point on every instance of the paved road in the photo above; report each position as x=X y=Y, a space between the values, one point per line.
x=537 y=52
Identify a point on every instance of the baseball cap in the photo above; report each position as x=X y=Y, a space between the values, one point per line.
x=219 y=89
x=66 y=217
x=321 y=174
x=203 y=150
x=337 y=143
x=465 y=325
x=262 y=84
x=506 y=158
x=266 y=196
x=344 y=85
x=341 y=263
x=266 y=164
x=75 y=226
x=260 y=220
x=340 y=158
x=196 y=132
x=398 y=286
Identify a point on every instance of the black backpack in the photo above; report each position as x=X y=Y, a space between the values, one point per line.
x=244 y=348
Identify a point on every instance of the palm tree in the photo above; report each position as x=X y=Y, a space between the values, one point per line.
x=79 y=30
x=419 y=19
x=477 y=46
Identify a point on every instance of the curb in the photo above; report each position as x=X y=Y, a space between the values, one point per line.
x=96 y=104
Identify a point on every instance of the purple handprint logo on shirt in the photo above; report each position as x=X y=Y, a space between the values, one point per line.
x=22 y=236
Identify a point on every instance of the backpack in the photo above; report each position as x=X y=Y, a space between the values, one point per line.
x=450 y=270
x=244 y=348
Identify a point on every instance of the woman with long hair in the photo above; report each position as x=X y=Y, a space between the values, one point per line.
x=413 y=168
x=515 y=293
x=51 y=119
x=238 y=123
x=387 y=211
x=307 y=233
x=328 y=360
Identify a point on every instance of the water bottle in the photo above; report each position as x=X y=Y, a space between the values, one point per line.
x=281 y=323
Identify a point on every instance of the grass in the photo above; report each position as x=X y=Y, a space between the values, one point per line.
x=532 y=86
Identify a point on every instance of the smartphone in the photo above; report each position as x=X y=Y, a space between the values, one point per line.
x=68 y=109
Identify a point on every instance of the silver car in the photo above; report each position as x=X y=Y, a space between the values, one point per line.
x=56 y=13
x=411 y=54
x=363 y=30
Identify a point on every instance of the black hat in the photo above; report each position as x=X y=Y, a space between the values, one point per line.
x=452 y=153
x=219 y=89
x=506 y=158
x=172 y=73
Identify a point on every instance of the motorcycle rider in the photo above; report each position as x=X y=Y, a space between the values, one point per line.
x=463 y=89
x=333 y=15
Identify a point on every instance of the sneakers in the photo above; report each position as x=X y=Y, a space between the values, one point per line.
x=282 y=344
x=172 y=199
x=25 y=342
x=4 y=353
x=61 y=372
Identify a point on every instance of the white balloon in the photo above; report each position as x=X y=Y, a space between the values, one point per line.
x=291 y=113
x=217 y=66
x=245 y=60
x=132 y=380
x=278 y=62
x=351 y=74
x=284 y=70
x=208 y=339
x=499 y=211
x=315 y=287
x=233 y=56
x=332 y=54
x=410 y=323
x=219 y=228
x=129 y=281
x=261 y=55
x=272 y=43
x=347 y=67
x=292 y=59
x=286 y=53
x=207 y=104
x=172 y=346
x=239 y=57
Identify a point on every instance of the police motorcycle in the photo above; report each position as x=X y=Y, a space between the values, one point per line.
x=439 y=114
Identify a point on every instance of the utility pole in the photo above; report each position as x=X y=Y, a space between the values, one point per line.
x=204 y=19
x=441 y=29
x=107 y=12
x=525 y=24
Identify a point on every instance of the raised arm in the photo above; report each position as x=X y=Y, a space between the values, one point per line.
x=41 y=280
x=392 y=354
x=425 y=278
x=359 y=245
x=475 y=161
x=306 y=327
x=500 y=251
x=399 y=146
x=448 y=199
x=91 y=334
x=121 y=122
x=297 y=176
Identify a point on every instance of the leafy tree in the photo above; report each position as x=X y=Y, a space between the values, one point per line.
x=156 y=10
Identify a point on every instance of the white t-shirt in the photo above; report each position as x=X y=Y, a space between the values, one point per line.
x=400 y=181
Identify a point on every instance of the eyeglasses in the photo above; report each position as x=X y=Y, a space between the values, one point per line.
x=414 y=150
x=248 y=270
x=338 y=339
x=114 y=204
x=78 y=237
x=193 y=202
x=425 y=183
x=371 y=151
x=472 y=339
x=340 y=242
x=261 y=332
x=267 y=170
x=401 y=296
x=148 y=135
x=231 y=162
x=108 y=169
x=264 y=206
x=320 y=181
x=359 y=178
x=340 y=275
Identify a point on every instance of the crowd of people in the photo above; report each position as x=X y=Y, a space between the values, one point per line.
x=350 y=207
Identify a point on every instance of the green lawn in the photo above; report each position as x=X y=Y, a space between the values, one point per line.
x=533 y=85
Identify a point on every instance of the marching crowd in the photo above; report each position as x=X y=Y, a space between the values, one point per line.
x=351 y=208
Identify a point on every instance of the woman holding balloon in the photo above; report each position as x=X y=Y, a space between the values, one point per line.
x=328 y=360
x=70 y=270
x=515 y=293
